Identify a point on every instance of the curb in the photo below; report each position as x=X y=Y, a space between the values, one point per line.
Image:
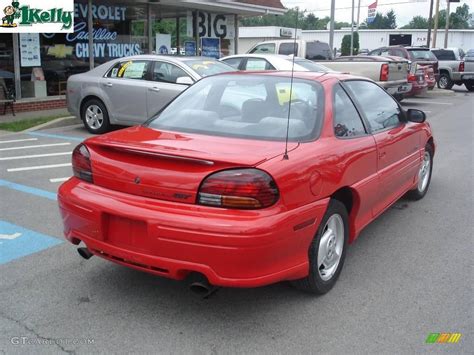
x=58 y=122
x=439 y=92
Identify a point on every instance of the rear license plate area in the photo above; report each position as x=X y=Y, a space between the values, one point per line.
x=125 y=232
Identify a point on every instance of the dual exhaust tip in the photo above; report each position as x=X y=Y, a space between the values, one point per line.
x=198 y=283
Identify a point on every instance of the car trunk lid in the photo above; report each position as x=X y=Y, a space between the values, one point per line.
x=170 y=166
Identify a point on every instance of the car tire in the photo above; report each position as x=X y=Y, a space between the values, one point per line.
x=445 y=82
x=95 y=116
x=333 y=251
x=469 y=86
x=424 y=175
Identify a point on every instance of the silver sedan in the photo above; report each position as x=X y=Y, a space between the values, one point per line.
x=129 y=91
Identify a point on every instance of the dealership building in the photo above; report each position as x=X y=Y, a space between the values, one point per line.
x=34 y=68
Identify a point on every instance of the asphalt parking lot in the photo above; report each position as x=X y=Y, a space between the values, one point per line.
x=409 y=273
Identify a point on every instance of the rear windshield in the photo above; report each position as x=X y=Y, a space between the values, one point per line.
x=318 y=51
x=208 y=67
x=246 y=106
x=443 y=54
x=422 y=54
x=311 y=66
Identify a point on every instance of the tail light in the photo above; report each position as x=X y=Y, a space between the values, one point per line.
x=384 y=72
x=461 y=66
x=81 y=163
x=239 y=188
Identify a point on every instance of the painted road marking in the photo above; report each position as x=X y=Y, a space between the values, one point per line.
x=36 y=146
x=36 y=156
x=19 y=140
x=28 y=243
x=39 y=167
x=60 y=136
x=10 y=236
x=28 y=189
x=60 y=179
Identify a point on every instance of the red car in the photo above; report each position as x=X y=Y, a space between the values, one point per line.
x=419 y=85
x=210 y=190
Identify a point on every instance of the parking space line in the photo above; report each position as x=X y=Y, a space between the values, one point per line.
x=39 y=167
x=36 y=156
x=28 y=189
x=60 y=136
x=19 y=140
x=18 y=242
x=59 y=179
x=36 y=146
x=408 y=102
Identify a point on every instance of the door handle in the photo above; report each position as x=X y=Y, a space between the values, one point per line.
x=154 y=89
x=109 y=85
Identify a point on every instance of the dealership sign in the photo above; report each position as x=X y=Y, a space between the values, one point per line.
x=210 y=25
x=35 y=16
x=372 y=12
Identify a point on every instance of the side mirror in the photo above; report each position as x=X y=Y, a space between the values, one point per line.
x=184 y=80
x=416 y=116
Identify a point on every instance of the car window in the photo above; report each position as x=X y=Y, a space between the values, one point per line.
x=131 y=69
x=311 y=66
x=288 y=48
x=398 y=53
x=167 y=72
x=421 y=54
x=318 y=51
x=443 y=54
x=206 y=67
x=379 y=108
x=247 y=106
x=258 y=64
x=233 y=62
x=347 y=122
x=385 y=51
x=376 y=52
x=264 y=48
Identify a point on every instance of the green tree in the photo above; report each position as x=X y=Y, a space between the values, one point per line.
x=346 y=44
x=417 y=22
x=381 y=21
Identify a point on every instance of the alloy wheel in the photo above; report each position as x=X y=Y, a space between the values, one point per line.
x=330 y=247
x=94 y=117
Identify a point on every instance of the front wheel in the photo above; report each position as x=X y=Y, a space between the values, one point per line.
x=327 y=251
x=95 y=117
x=445 y=82
x=424 y=175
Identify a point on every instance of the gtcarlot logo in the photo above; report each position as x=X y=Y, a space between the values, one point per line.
x=31 y=16
x=23 y=340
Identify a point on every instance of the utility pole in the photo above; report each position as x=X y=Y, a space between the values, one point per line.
x=447 y=26
x=331 y=26
x=435 y=30
x=430 y=24
x=358 y=16
x=352 y=29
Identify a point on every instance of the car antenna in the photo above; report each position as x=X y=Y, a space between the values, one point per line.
x=285 y=156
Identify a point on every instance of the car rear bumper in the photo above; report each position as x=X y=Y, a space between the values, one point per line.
x=231 y=248
x=417 y=89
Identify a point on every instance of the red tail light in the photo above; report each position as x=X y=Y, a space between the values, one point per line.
x=239 y=188
x=384 y=72
x=461 y=66
x=81 y=163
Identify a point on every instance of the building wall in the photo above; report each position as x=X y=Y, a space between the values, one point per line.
x=371 y=39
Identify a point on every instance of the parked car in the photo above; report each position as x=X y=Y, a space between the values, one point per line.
x=417 y=80
x=312 y=50
x=453 y=68
x=128 y=91
x=416 y=55
x=226 y=187
x=429 y=76
x=272 y=62
x=388 y=72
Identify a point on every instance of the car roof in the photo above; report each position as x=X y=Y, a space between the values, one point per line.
x=305 y=75
x=260 y=55
x=171 y=58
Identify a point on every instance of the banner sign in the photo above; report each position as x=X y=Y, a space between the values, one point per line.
x=30 y=54
x=211 y=47
x=190 y=48
x=163 y=43
x=372 y=12
x=36 y=16
x=211 y=25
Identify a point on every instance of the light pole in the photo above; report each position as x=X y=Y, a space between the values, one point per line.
x=435 y=30
x=331 y=25
x=430 y=24
x=447 y=26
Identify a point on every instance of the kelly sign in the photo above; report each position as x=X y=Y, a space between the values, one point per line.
x=37 y=16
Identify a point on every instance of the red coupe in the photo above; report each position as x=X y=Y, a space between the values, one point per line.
x=210 y=189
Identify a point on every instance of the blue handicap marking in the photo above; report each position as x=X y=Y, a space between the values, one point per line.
x=16 y=242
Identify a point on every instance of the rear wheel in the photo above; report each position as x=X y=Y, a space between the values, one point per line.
x=95 y=116
x=327 y=251
x=445 y=82
x=424 y=175
x=469 y=86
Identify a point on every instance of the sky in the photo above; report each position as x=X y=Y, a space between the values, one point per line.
x=404 y=9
